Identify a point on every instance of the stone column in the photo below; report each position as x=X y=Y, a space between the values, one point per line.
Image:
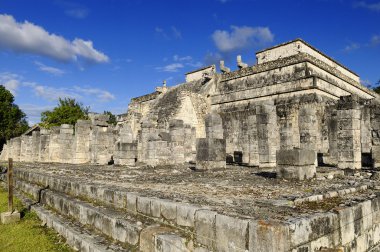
x=102 y=142
x=44 y=145
x=189 y=143
x=177 y=141
x=349 y=146
x=268 y=135
x=308 y=127
x=253 y=141
x=54 y=148
x=65 y=143
x=35 y=146
x=126 y=147
x=287 y=124
x=147 y=127
x=23 y=148
x=211 y=151
x=81 y=145
x=16 y=148
x=296 y=164
x=375 y=127
x=125 y=153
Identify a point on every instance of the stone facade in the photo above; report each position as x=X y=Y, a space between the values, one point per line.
x=295 y=97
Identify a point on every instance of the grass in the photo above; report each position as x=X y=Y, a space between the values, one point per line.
x=27 y=235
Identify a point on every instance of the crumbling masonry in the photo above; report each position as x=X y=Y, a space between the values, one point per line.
x=274 y=139
x=295 y=98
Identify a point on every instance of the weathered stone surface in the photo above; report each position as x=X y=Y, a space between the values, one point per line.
x=205 y=228
x=230 y=233
x=10 y=218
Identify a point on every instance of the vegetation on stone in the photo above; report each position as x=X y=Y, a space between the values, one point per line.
x=28 y=234
x=68 y=111
x=112 y=119
x=12 y=120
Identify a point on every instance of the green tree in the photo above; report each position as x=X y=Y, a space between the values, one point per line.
x=68 y=111
x=12 y=120
x=112 y=119
x=377 y=89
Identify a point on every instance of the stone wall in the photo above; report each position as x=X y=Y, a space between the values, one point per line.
x=295 y=97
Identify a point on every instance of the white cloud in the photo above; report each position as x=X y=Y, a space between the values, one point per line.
x=185 y=58
x=176 y=32
x=33 y=112
x=351 y=47
x=79 y=13
x=51 y=93
x=375 y=40
x=174 y=67
x=10 y=81
x=241 y=38
x=213 y=58
x=49 y=69
x=30 y=38
x=369 y=6
x=102 y=95
x=171 y=33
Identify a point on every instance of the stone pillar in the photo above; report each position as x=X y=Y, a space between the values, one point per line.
x=287 y=125
x=296 y=164
x=332 y=125
x=125 y=153
x=147 y=128
x=211 y=151
x=308 y=127
x=24 y=140
x=16 y=148
x=54 y=148
x=4 y=152
x=102 y=142
x=126 y=147
x=44 y=145
x=35 y=146
x=190 y=143
x=65 y=143
x=177 y=141
x=349 y=146
x=253 y=141
x=268 y=134
x=375 y=130
x=81 y=145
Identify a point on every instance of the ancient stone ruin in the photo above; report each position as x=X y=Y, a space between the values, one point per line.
x=300 y=120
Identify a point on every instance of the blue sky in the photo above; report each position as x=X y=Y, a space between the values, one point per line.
x=104 y=52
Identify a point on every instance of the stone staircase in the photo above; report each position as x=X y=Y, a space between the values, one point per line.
x=95 y=216
x=91 y=222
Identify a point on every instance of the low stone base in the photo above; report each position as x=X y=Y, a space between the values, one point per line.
x=9 y=218
x=125 y=161
x=209 y=165
x=376 y=156
x=349 y=165
x=296 y=172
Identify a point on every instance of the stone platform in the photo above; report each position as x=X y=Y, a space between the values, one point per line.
x=232 y=209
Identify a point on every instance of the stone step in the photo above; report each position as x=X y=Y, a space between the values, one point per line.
x=77 y=236
x=131 y=230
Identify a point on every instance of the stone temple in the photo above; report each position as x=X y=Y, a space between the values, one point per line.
x=296 y=118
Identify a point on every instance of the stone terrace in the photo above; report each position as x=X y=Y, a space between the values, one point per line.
x=243 y=191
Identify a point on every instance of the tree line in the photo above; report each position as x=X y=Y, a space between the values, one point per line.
x=13 y=121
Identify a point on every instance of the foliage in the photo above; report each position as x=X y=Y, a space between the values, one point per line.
x=28 y=234
x=377 y=89
x=12 y=120
x=112 y=119
x=68 y=111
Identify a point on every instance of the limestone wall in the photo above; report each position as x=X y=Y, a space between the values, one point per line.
x=90 y=141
